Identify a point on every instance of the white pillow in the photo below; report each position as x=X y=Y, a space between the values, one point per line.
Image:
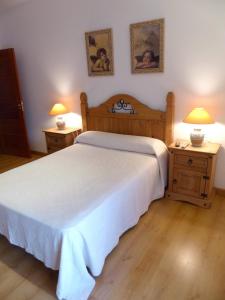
x=131 y=143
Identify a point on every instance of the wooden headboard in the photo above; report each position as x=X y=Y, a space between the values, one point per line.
x=124 y=114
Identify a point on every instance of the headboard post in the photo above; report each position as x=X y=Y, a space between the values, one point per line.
x=84 y=109
x=169 y=118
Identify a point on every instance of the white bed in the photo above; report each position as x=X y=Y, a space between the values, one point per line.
x=70 y=208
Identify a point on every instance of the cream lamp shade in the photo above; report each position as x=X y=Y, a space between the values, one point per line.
x=59 y=109
x=198 y=116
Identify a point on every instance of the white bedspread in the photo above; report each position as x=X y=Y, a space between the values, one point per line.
x=70 y=208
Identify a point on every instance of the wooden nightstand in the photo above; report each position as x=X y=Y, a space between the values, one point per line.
x=191 y=173
x=59 y=139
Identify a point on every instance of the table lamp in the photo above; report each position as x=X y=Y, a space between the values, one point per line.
x=58 y=110
x=198 y=116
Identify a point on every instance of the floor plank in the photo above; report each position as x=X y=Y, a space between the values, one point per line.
x=175 y=252
x=8 y=162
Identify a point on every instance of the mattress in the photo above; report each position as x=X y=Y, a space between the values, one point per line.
x=70 y=208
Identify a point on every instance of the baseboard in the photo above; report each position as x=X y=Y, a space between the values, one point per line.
x=39 y=153
x=220 y=192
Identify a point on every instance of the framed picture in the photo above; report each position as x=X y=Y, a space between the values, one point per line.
x=147 y=46
x=99 y=52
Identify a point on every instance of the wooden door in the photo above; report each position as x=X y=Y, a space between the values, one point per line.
x=13 y=135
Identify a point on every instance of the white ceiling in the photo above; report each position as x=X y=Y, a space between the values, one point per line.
x=7 y=4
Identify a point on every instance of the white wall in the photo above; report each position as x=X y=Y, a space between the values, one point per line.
x=48 y=36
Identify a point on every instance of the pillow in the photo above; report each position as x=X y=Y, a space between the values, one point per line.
x=131 y=143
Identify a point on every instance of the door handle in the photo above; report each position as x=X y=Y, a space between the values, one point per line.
x=20 y=106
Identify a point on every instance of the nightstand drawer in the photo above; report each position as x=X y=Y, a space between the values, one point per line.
x=60 y=139
x=195 y=163
x=55 y=140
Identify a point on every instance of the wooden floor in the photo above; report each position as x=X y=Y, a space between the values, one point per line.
x=8 y=162
x=176 y=252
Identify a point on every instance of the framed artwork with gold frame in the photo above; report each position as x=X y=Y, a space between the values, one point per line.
x=99 y=48
x=147 y=46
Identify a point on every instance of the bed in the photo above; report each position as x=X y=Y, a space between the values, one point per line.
x=70 y=208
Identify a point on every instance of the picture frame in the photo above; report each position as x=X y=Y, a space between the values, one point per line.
x=147 y=46
x=99 y=48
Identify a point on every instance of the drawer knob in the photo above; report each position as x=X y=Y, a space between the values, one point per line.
x=190 y=161
x=174 y=181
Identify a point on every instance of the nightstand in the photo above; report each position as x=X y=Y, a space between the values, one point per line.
x=191 y=173
x=58 y=139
